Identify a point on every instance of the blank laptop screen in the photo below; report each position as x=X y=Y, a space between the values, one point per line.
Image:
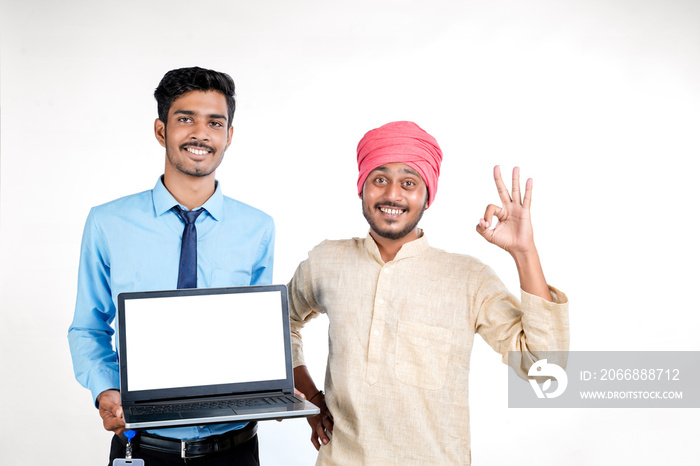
x=187 y=341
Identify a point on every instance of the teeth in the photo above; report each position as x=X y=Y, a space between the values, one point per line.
x=197 y=151
x=391 y=211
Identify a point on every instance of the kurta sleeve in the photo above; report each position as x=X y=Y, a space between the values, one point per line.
x=303 y=307
x=532 y=326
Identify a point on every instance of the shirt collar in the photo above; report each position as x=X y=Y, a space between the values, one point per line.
x=163 y=201
x=410 y=249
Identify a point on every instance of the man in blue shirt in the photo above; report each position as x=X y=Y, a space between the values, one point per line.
x=133 y=244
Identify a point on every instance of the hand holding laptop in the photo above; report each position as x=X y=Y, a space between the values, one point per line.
x=110 y=408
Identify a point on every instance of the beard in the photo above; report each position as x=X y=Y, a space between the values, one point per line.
x=198 y=171
x=387 y=233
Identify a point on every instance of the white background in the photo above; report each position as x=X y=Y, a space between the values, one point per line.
x=597 y=100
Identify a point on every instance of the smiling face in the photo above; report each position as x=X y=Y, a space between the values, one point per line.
x=197 y=134
x=394 y=198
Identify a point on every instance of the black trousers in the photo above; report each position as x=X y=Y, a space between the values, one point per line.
x=245 y=454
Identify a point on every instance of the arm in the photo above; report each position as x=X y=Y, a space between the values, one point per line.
x=539 y=323
x=303 y=308
x=322 y=423
x=90 y=335
x=513 y=233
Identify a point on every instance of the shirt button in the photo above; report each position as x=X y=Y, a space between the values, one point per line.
x=381 y=301
x=376 y=333
x=387 y=271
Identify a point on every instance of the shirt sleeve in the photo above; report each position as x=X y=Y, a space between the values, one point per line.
x=302 y=308
x=91 y=333
x=532 y=327
x=262 y=269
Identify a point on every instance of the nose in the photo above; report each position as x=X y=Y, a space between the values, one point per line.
x=394 y=191
x=200 y=131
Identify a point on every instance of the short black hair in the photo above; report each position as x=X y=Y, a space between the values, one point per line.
x=177 y=82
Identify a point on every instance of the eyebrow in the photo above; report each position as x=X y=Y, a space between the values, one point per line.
x=215 y=116
x=404 y=169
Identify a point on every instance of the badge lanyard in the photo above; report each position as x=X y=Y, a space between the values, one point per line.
x=128 y=461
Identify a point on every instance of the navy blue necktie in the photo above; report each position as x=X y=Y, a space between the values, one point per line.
x=187 y=275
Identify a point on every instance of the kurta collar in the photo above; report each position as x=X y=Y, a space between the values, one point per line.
x=410 y=249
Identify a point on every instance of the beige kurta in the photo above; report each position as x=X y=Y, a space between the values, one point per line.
x=400 y=337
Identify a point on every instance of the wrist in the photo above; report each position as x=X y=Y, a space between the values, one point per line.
x=530 y=273
x=525 y=256
x=316 y=395
x=110 y=392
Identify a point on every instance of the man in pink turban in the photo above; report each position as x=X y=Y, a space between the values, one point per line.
x=403 y=315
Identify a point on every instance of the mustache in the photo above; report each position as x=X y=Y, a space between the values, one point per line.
x=390 y=204
x=200 y=145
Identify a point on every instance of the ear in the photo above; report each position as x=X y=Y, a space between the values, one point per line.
x=159 y=129
x=230 y=135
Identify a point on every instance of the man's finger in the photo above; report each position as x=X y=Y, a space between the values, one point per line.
x=484 y=231
x=502 y=190
x=516 y=185
x=491 y=210
x=314 y=440
x=113 y=424
x=322 y=433
x=527 y=199
x=328 y=423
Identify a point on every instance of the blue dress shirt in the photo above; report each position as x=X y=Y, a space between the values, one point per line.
x=133 y=244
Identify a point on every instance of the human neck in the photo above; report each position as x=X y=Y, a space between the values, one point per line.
x=189 y=191
x=389 y=248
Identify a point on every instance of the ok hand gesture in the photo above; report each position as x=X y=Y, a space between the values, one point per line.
x=513 y=232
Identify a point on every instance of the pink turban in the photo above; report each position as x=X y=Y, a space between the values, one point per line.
x=404 y=142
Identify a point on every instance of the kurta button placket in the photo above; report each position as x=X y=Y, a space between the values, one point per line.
x=374 y=350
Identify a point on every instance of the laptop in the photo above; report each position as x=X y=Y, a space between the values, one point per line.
x=206 y=355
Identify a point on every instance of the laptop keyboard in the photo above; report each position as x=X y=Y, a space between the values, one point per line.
x=264 y=402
